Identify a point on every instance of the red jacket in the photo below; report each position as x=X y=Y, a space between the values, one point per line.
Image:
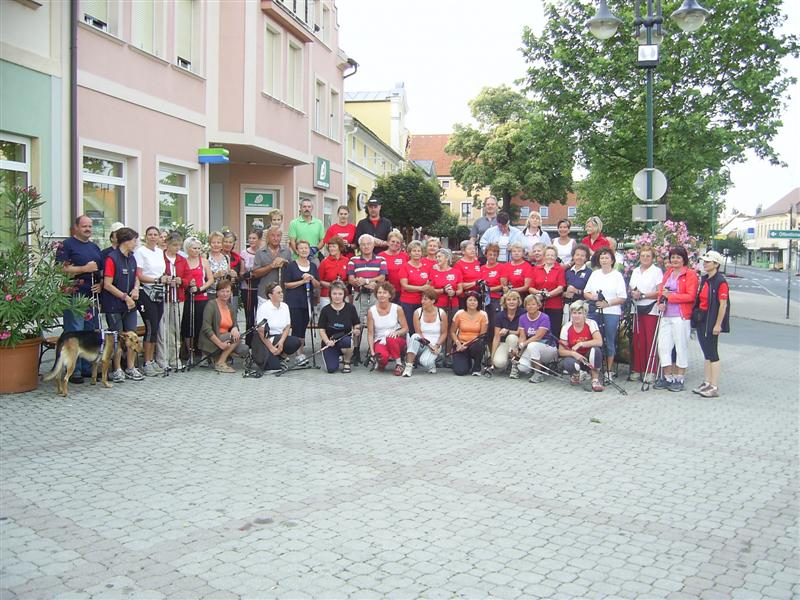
x=687 y=290
x=181 y=268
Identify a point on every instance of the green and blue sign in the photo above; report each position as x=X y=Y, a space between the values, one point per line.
x=212 y=156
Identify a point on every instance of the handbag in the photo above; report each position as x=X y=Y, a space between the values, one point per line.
x=157 y=292
x=644 y=309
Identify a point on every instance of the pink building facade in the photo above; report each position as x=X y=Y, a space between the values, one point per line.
x=158 y=80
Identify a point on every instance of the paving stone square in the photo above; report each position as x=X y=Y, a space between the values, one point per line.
x=309 y=485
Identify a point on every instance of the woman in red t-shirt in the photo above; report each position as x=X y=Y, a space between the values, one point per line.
x=414 y=280
x=331 y=268
x=432 y=246
x=711 y=319
x=548 y=280
x=470 y=268
x=594 y=238
x=579 y=345
x=518 y=271
x=395 y=259
x=344 y=230
x=446 y=281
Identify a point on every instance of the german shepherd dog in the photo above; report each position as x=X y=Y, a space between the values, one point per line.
x=87 y=344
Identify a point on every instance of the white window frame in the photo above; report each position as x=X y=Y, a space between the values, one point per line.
x=524 y=212
x=326 y=23
x=294 y=85
x=89 y=152
x=544 y=211
x=14 y=165
x=445 y=184
x=172 y=189
x=333 y=202
x=466 y=209
x=272 y=63
x=193 y=63
x=335 y=111
x=320 y=105
x=572 y=211
x=112 y=25
x=158 y=25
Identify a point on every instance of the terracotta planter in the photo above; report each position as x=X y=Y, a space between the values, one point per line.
x=19 y=367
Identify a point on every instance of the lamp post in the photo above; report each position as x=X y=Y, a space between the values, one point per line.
x=649 y=34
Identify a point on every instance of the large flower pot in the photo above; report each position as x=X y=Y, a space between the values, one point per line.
x=19 y=367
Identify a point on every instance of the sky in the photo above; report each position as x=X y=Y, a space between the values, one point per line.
x=445 y=51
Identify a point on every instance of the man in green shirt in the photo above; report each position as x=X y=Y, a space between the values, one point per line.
x=305 y=227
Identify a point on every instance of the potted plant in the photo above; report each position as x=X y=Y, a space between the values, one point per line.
x=34 y=290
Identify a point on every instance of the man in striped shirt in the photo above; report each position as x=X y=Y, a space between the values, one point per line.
x=364 y=272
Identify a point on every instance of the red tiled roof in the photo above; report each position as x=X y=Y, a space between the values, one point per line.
x=431 y=147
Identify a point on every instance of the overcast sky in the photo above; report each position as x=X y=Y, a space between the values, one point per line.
x=445 y=51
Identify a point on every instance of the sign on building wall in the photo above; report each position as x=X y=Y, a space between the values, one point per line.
x=322 y=173
x=259 y=199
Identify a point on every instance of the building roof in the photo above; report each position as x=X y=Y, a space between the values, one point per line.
x=426 y=165
x=367 y=96
x=431 y=147
x=782 y=206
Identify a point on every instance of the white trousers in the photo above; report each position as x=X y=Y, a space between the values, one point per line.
x=674 y=332
x=423 y=353
x=170 y=327
x=500 y=356
x=541 y=353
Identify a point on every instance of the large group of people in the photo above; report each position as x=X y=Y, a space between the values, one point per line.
x=515 y=301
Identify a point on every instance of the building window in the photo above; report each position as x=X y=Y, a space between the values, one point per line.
x=272 y=62
x=173 y=196
x=364 y=155
x=187 y=35
x=100 y=14
x=326 y=25
x=15 y=171
x=319 y=107
x=294 y=84
x=524 y=212
x=446 y=184
x=335 y=112
x=353 y=143
x=572 y=211
x=146 y=26
x=329 y=211
x=103 y=191
x=544 y=211
x=466 y=209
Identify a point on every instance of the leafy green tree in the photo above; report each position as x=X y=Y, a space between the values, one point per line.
x=735 y=246
x=444 y=226
x=517 y=148
x=718 y=93
x=409 y=199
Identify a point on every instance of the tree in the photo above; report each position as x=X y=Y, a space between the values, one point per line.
x=718 y=93
x=445 y=226
x=409 y=199
x=735 y=246
x=516 y=149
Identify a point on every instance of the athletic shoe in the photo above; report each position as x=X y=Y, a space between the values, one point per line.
x=432 y=370
x=575 y=379
x=408 y=370
x=149 y=370
x=157 y=367
x=636 y=376
x=710 y=392
x=661 y=384
x=300 y=360
x=476 y=373
x=596 y=385
x=118 y=376
x=536 y=378
x=699 y=389
x=76 y=379
x=608 y=378
x=514 y=374
x=649 y=378
x=398 y=369
x=676 y=386
x=134 y=374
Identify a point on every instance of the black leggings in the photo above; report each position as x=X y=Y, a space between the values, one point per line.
x=151 y=315
x=199 y=307
x=266 y=359
x=469 y=360
x=556 y=317
x=250 y=299
x=708 y=343
x=299 y=321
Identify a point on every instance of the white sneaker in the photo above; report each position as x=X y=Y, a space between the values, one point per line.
x=149 y=370
x=300 y=360
x=536 y=378
x=408 y=370
x=432 y=370
x=118 y=376
x=134 y=374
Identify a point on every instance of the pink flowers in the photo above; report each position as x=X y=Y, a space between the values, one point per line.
x=4 y=335
x=9 y=297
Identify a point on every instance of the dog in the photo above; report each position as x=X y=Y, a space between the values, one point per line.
x=89 y=345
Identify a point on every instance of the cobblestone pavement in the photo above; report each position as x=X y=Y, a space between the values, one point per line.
x=368 y=485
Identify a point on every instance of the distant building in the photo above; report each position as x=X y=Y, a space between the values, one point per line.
x=384 y=113
x=551 y=213
x=762 y=248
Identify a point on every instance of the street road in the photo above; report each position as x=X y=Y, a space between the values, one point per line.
x=762 y=281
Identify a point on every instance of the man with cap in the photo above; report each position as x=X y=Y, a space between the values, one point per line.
x=374 y=224
x=81 y=258
x=503 y=235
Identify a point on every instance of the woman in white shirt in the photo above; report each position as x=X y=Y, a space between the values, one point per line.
x=564 y=244
x=645 y=280
x=430 y=324
x=386 y=329
x=533 y=232
x=150 y=269
x=607 y=293
x=274 y=342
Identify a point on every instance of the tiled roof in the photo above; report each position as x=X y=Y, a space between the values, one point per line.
x=783 y=205
x=431 y=147
x=366 y=96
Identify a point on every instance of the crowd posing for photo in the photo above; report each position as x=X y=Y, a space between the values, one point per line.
x=515 y=302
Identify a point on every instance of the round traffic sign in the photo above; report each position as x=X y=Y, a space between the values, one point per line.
x=640 y=184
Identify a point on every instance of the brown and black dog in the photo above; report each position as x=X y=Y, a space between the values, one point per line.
x=73 y=345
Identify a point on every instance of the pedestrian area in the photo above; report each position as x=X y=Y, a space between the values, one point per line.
x=368 y=486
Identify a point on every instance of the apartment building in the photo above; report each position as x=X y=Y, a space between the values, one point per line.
x=159 y=80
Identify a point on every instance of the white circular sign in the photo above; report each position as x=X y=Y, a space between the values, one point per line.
x=640 y=184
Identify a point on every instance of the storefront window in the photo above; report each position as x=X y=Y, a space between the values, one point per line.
x=14 y=171
x=173 y=196
x=103 y=192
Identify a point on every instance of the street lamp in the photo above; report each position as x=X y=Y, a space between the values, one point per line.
x=647 y=30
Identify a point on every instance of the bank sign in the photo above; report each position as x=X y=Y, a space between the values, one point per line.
x=322 y=173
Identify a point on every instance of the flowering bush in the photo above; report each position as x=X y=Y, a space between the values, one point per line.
x=34 y=290
x=664 y=236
